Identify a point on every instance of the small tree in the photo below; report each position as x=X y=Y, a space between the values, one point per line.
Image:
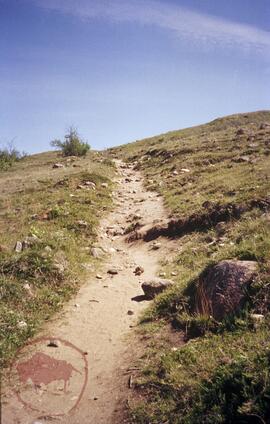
x=9 y=155
x=73 y=145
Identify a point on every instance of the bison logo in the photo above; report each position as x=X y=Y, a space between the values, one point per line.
x=51 y=381
x=43 y=369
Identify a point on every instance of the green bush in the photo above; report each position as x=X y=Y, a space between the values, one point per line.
x=73 y=144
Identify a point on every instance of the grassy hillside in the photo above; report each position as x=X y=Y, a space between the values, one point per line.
x=51 y=216
x=223 y=166
x=215 y=182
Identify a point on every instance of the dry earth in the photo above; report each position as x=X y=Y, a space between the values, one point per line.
x=98 y=322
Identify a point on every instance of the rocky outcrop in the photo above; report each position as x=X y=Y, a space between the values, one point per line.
x=222 y=289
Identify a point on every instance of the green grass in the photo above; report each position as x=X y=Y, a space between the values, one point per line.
x=48 y=205
x=221 y=373
x=215 y=379
x=209 y=152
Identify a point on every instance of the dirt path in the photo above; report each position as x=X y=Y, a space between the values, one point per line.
x=97 y=322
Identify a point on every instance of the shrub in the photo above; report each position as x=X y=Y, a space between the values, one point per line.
x=9 y=155
x=73 y=144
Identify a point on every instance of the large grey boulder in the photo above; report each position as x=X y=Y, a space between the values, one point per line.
x=155 y=286
x=222 y=289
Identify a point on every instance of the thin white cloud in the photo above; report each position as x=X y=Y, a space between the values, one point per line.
x=185 y=24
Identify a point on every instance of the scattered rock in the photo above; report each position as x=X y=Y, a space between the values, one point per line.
x=22 y=324
x=86 y=185
x=242 y=159
x=138 y=270
x=130 y=312
x=105 y=185
x=82 y=224
x=173 y=274
x=72 y=158
x=90 y=184
x=44 y=216
x=257 y=320
x=240 y=131
x=60 y=262
x=130 y=382
x=97 y=252
x=112 y=271
x=113 y=232
x=59 y=267
x=265 y=125
x=175 y=172
x=28 y=290
x=54 y=343
x=47 y=249
x=30 y=241
x=18 y=247
x=162 y=274
x=253 y=145
x=185 y=170
x=257 y=317
x=99 y=277
x=153 y=287
x=58 y=165
x=156 y=246
x=221 y=289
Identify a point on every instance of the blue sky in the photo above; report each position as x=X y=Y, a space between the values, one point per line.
x=121 y=70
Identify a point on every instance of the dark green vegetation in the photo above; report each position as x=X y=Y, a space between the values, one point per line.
x=221 y=373
x=73 y=145
x=54 y=213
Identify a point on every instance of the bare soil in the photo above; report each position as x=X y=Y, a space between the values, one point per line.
x=98 y=322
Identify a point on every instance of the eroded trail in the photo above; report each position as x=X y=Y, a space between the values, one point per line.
x=97 y=323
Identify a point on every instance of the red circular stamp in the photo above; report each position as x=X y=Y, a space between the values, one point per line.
x=50 y=376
